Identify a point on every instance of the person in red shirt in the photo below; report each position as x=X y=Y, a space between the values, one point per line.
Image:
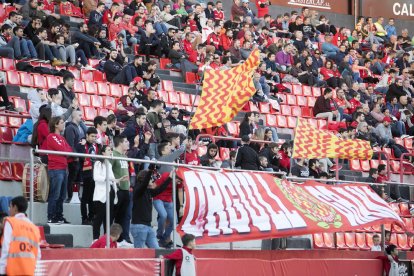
x=285 y=155
x=115 y=27
x=227 y=39
x=163 y=203
x=57 y=170
x=262 y=7
x=355 y=103
x=214 y=40
x=188 y=47
x=192 y=23
x=110 y=13
x=332 y=78
x=191 y=155
x=115 y=232
x=183 y=257
x=218 y=11
x=390 y=260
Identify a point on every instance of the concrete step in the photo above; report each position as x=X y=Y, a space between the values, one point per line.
x=70 y=211
x=82 y=234
x=66 y=239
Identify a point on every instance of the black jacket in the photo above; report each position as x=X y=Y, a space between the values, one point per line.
x=245 y=129
x=271 y=158
x=67 y=96
x=72 y=135
x=95 y=18
x=111 y=69
x=394 y=91
x=247 y=158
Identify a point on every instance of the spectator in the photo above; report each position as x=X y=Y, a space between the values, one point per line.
x=376 y=243
x=176 y=118
x=88 y=145
x=101 y=125
x=96 y=16
x=390 y=28
x=322 y=108
x=144 y=190
x=300 y=169
x=117 y=73
x=314 y=170
x=185 y=253
x=114 y=234
x=395 y=90
x=331 y=77
x=383 y=131
x=57 y=171
x=120 y=169
x=67 y=90
x=191 y=157
x=246 y=126
x=209 y=159
x=391 y=260
x=247 y=158
x=271 y=152
x=138 y=127
x=285 y=154
x=328 y=48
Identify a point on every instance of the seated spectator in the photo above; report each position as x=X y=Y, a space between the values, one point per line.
x=117 y=73
x=47 y=50
x=149 y=41
x=209 y=159
x=283 y=58
x=230 y=163
x=179 y=59
x=96 y=16
x=9 y=46
x=264 y=164
x=271 y=152
x=114 y=234
x=285 y=154
x=343 y=105
x=323 y=109
x=328 y=48
x=314 y=169
x=300 y=169
x=395 y=90
x=176 y=118
x=355 y=103
x=332 y=78
x=167 y=17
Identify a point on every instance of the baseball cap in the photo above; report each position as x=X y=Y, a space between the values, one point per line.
x=137 y=79
x=387 y=119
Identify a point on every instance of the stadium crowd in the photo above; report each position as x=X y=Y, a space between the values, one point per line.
x=366 y=75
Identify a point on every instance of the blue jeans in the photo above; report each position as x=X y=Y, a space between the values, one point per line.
x=28 y=48
x=143 y=235
x=160 y=28
x=165 y=210
x=57 y=193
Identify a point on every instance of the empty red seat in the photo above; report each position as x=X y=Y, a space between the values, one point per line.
x=233 y=128
x=409 y=224
x=173 y=97
x=191 y=77
x=84 y=100
x=104 y=112
x=306 y=112
x=195 y=99
x=296 y=111
x=291 y=99
x=355 y=165
x=318 y=240
x=286 y=110
x=96 y=101
x=164 y=62
x=408 y=143
x=374 y=163
x=340 y=241
x=90 y=87
x=39 y=81
x=389 y=152
x=26 y=79
x=89 y=113
x=361 y=241
x=6 y=135
x=167 y=85
x=281 y=121
x=264 y=108
x=7 y=64
x=17 y=171
x=99 y=76
x=311 y=101
x=110 y=103
x=253 y=107
x=184 y=98
x=86 y=75
x=313 y=122
x=6 y=171
x=78 y=86
x=302 y=100
x=163 y=95
x=402 y=241
x=306 y=90
x=405 y=210
x=350 y=240
x=52 y=81
x=102 y=88
x=20 y=103
x=291 y=121
x=316 y=91
x=13 y=77
x=328 y=239
x=14 y=122
x=297 y=89
x=115 y=90
x=365 y=165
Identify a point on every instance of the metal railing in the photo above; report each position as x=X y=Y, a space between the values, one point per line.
x=175 y=165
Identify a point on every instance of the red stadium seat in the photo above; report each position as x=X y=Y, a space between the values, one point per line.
x=167 y=85
x=102 y=88
x=318 y=241
x=20 y=103
x=52 y=81
x=86 y=75
x=26 y=79
x=286 y=110
x=408 y=143
x=39 y=81
x=96 y=101
x=115 y=90
x=396 y=208
x=163 y=95
x=233 y=128
x=84 y=100
x=271 y=120
x=302 y=100
x=395 y=166
x=355 y=165
x=90 y=87
x=291 y=121
x=282 y=97
x=389 y=152
x=409 y=224
x=164 y=62
x=191 y=78
x=402 y=241
x=306 y=112
x=361 y=241
x=374 y=163
x=201 y=150
x=281 y=121
x=224 y=153
x=296 y=111
x=14 y=122
x=185 y=99
x=6 y=135
x=103 y=112
x=311 y=101
x=89 y=113
x=365 y=165
x=13 y=77
x=6 y=171
x=264 y=108
x=196 y=98
x=7 y=64
x=350 y=240
x=340 y=241
x=99 y=76
x=405 y=210
x=75 y=71
x=297 y=89
x=393 y=239
x=316 y=91
x=313 y=122
x=399 y=141
x=17 y=170
x=291 y=99
x=3 y=121
x=328 y=239
x=173 y=97
x=79 y=86
x=307 y=90
x=109 y=102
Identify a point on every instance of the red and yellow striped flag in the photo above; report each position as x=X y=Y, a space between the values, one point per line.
x=311 y=142
x=224 y=93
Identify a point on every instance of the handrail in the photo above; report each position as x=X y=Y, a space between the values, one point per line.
x=16 y=115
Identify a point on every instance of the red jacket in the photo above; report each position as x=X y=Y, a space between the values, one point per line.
x=113 y=31
x=218 y=15
x=166 y=195
x=193 y=25
x=284 y=161
x=57 y=142
x=177 y=256
x=101 y=243
x=42 y=133
x=214 y=39
x=189 y=50
x=226 y=42
x=354 y=104
x=261 y=11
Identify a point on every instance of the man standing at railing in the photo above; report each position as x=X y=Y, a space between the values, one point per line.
x=120 y=170
x=247 y=157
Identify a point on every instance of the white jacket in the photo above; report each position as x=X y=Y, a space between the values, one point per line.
x=99 y=176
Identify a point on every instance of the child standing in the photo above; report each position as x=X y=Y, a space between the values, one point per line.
x=184 y=258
